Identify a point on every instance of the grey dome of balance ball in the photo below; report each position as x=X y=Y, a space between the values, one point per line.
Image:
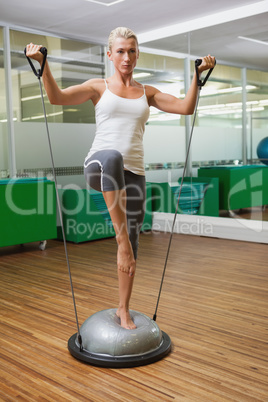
x=105 y=343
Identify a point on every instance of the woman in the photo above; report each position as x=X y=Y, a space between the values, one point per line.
x=115 y=165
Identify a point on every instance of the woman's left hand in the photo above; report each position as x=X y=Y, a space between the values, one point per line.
x=207 y=63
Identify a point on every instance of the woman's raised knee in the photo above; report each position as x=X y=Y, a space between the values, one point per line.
x=115 y=158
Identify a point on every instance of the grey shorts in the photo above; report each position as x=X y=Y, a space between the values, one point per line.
x=104 y=171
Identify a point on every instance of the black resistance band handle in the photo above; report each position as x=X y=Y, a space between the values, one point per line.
x=199 y=82
x=38 y=73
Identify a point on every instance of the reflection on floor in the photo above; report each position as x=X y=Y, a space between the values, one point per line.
x=255 y=213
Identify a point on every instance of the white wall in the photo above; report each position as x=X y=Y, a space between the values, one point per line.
x=216 y=144
x=167 y=144
x=70 y=144
x=164 y=144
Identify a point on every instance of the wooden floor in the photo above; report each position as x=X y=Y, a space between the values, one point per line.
x=214 y=306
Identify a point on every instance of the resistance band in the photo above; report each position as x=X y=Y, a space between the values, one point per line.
x=200 y=84
x=39 y=74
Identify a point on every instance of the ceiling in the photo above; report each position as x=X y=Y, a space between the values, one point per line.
x=235 y=31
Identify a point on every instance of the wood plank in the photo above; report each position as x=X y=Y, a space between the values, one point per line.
x=213 y=305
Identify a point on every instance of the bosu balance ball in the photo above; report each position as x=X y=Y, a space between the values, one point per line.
x=262 y=150
x=106 y=344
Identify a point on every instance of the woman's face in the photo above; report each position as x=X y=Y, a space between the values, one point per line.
x=124 y=54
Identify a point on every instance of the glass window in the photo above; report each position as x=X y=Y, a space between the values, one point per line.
x=71 y=63
x=3 y=117
x=218 y=127
x=166 y=74
x=257 y=110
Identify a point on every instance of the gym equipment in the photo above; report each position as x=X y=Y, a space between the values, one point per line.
x=107 y=344
x=86 y=218
x=239 y=186
x=200 y=84
x=199 y=196
x=28 y=211
x=38 y=74
x=262 y=150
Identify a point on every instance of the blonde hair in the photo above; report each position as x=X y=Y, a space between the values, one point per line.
x=120 y=32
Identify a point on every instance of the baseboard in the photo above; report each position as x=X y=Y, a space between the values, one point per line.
x=224 y=228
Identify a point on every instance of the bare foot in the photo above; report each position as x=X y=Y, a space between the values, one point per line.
x=125 y=259
x=125 y=318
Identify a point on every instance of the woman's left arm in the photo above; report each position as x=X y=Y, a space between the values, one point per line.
x=171 y=104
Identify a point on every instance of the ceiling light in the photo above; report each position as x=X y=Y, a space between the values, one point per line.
x=164 y=117
x=141 y=75
x=236 y=89
x=228 y=108
x=252 y=102
x=106 y=3
x=31 y=98
x=219 y=106
x=212 y=91
x=261 y=42
x=42 y=116
x=5 y=120
x=229 y=111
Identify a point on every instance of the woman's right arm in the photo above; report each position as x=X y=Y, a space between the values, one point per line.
x=73 y=95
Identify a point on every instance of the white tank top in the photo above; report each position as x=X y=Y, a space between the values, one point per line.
x=120 y=125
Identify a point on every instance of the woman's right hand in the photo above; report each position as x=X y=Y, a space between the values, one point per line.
x=33 y=51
